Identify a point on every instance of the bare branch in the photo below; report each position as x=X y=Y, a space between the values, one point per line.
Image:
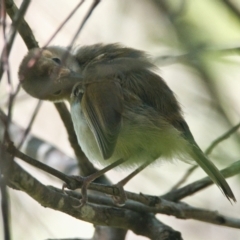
x=28 y=129
x=89 y=13
x=223 y=137
x=144 y=224
x=5 y=208
x=31 y=148
x=64 y=22
x=185 y=177
x=15 y=24
x=174 y=195
x=178 y=209
x=194 y=187
x=23 y=28
x=10 y=148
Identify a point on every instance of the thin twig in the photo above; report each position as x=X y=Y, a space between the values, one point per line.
x=207 y=152
x=66 y=165
x=194 y=53
x=184 y=177
x=63 y=23
x=93 y=6
x=9 y=41
x=223 y=137
x=5 y=208
x=4 y=66
x=178 y=194
x=15 y=152
x=17 y=18
x=4 y=58
x=28 y=129
x=23 y=28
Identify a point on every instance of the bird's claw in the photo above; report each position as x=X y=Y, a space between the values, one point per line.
x=84 y=182
x=121 y=198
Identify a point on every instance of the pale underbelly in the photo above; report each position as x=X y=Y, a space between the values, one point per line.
x=135 y=143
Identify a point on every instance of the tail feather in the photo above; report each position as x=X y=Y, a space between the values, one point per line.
x=213 y=173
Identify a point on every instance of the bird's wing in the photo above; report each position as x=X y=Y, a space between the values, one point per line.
x=102 y=107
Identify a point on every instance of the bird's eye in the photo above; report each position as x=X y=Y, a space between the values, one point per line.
x=57 y=60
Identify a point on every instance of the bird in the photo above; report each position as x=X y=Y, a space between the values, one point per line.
x=124 y=114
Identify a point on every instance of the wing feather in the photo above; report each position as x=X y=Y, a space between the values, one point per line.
x=102 y=107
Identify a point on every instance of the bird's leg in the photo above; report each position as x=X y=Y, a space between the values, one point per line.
x=121 y=199
x=87 y=180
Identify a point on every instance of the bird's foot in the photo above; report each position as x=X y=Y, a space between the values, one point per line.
x=83 y=183
x=122 y=197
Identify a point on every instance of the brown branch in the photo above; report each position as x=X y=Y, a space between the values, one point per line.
x=66 y=165
x=5 y=208
x=153 y=204
x=196 y=186
x=63 y=23
x=28 y=129
x=15 y=24
x=143 y=224
x=113 y=233
x=10 y=148
x=23 y=28
x=174 y=195
x=184 y=177
x=89 y=13
x=180 y=210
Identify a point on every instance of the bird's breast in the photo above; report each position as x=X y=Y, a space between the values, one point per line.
x=84 y=134
x=138 y=141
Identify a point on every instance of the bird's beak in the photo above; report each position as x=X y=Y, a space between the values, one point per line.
x=64 y=82
x=55 y=86
x=72 y=77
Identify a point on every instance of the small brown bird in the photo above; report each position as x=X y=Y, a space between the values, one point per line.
x=123 y=113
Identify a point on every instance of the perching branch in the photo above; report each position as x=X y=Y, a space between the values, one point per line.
x=144 y=224
x=150 y=201
x=194 y=187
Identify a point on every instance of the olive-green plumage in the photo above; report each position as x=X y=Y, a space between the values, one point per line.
x=120 y=108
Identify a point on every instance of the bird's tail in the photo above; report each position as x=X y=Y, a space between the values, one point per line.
x=212 y=172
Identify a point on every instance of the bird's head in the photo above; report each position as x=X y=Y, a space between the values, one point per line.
x=49 y=74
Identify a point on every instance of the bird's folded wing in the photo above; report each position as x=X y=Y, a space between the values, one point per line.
x=102 y=107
